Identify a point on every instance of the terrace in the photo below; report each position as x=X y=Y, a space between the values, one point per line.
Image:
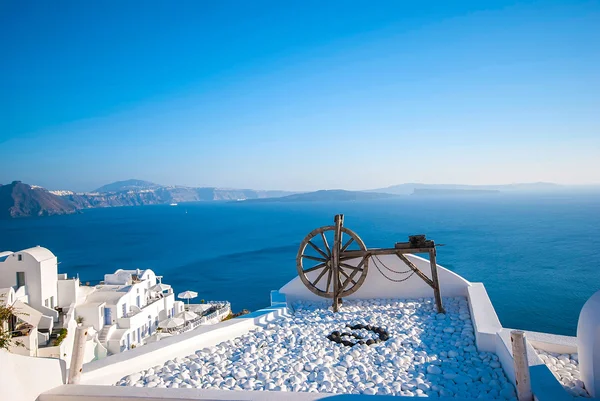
x=426 y=354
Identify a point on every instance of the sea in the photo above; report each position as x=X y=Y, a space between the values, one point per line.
x=538 y=255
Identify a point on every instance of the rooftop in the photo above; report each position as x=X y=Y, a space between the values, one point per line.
x=425 y=354
x=39 y=253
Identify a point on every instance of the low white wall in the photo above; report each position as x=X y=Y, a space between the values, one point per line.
x=485 y=321
x=104 y=393
x=377 y=286
x=544 y=385
x=23 y=378
x=109 y=370
x=552 y=342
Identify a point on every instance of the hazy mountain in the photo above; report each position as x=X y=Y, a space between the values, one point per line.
x=409 y=188
x=451 y=192
x=127 y=185
x=22 y=200
x=332 y=195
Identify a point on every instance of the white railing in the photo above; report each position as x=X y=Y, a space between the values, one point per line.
x=223 y=308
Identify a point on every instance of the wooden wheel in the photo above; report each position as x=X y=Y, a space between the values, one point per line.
x=315 y=260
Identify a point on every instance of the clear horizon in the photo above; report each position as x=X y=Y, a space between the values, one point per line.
x=565 y=186
x=300 y=96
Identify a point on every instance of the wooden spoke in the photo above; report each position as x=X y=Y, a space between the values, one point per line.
x=347 y=245
x=314 y=258
x=347 y=277
x=326 y=244
x=350 y=278
x=316 y=248
x=328 y=280
x=316 y=267
x=350 y=267
x=319 y=277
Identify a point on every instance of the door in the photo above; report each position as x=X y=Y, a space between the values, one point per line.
x=137 y=301
x=128 y=341
x=139 y=339
x=20 y=279
x=107 y=316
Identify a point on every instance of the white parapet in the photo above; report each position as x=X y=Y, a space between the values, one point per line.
x=24 y=378
x=376 y=285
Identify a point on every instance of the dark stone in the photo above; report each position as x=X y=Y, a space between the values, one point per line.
x=346 y=338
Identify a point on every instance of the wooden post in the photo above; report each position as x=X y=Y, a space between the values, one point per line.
x=522 y=379
x=436 y=282
x=77 y=355
x=335 y=259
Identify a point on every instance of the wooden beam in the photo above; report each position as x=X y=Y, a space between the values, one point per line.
x=381 y=251
x=77 y=355
x=416 y=270
x=522 y=378
x=335 y=259
x=436 y=282
x=407 y=245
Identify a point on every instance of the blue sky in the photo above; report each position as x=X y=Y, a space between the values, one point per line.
x=299 y=95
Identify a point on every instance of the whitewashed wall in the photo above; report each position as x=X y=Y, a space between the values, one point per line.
x=377 y=286
x=112 y=368
x=23 y=378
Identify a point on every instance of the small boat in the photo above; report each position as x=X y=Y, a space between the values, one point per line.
x=173 y=204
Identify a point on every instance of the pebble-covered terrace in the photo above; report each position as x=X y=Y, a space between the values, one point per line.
x=412 y=350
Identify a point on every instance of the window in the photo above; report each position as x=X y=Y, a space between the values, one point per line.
x=20 y=279
x=124 y=310
x=19 y=257
x=46 y=303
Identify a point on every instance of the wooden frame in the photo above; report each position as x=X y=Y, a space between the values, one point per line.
x=344 y=275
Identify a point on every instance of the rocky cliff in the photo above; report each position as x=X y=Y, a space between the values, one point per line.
x=21 y=200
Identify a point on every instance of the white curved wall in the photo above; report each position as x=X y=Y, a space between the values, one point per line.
x=24 y=378
x=588 y=344
x=377 y=286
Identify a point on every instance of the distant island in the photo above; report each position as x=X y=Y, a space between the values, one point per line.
x=410 y=188
x=452 y=192
x=331 y=195
x=22 y=200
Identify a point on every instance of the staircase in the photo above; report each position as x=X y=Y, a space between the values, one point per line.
x=104 y=333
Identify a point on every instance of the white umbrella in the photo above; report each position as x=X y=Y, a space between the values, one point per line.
x=186 y=315
x=199 y=308
x=160 y=287
x=157 y=337
x=171 y=323
x=187 y=295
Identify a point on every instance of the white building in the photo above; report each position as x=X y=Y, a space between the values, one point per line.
x=127 y=307
x=121 y=311
x=28 y=281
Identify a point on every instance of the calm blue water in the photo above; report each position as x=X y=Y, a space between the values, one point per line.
x=539 y=257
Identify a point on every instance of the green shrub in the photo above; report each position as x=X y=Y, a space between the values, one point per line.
x=61 y=336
